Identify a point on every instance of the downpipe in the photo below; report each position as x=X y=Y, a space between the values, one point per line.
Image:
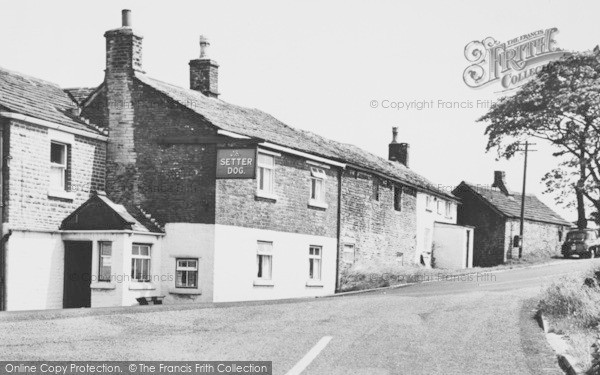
x=3 y=242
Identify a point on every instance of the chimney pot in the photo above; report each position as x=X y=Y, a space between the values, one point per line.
x=395 y=134
x=126 y=17
x=204 y=44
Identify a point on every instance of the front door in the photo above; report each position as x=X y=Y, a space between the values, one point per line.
x=78 y=268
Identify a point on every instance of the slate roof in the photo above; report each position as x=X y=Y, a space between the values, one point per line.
x=40 y=99
x=133 y=219
x=510 y=205
x=257 y=124
x=80 y=94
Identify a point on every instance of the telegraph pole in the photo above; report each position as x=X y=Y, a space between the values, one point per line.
x=522 y=224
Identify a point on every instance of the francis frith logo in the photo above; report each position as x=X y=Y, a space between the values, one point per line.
x=511 y=63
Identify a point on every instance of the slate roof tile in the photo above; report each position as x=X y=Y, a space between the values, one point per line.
x=40 y=99
x=510 y=205
x=258 y=124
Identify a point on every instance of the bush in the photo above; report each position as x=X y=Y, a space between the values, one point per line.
x=570 y=299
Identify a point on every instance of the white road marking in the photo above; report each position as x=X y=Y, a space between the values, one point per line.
x=310 y=356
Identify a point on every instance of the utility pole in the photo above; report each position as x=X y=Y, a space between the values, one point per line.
x=522 y=224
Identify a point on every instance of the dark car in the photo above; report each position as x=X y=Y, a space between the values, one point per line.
x=583 y=243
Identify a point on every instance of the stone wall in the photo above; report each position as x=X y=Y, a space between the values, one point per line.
x=28 y=202
x=379 y=232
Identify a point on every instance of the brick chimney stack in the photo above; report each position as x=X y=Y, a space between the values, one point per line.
x=204 y=72
x=123 y=59
x=500 y=182
x=398 y=152
x=123 y=48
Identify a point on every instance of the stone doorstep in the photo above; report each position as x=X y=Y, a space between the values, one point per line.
x=560 y=346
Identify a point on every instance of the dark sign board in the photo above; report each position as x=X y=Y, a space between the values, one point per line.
x=236 y=162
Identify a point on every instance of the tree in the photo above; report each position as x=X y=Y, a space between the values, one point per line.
x=561 y=106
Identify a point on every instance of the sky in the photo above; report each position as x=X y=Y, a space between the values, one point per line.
x=319 y=65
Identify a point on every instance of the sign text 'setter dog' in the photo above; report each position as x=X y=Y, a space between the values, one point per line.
x=236 y=163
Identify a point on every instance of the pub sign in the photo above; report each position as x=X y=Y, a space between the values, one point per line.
x=236 y=162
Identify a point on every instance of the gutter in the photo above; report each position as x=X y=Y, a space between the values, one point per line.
x=341 y=165
x=52 y=125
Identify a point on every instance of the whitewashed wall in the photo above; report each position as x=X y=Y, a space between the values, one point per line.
x=236 y=264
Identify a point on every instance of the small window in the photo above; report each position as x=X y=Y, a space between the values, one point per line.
x=105 y=261
x=140 y=263
x=314 y=262
x=429 y=203
x=448 y=209
x=58 y=166
x=348 y=254
x=560 y=235
x=187 y=273
x=376 y=189
x=266 y=166
x=440 y=206
x=317 y=184
x=398 y=198
x=264 y=260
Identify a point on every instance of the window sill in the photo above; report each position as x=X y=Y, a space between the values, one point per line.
x=259 y=282
x=264 y=195
x=317 y=204
x=185 y=291
x=61 y=194
x=103 y=286
x=141 y=286
x=314 y=283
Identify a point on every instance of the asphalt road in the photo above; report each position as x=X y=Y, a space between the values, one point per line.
x=465 y=325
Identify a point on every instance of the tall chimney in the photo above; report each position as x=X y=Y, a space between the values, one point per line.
x=204 y=72
x=500 y=182
x=123 y=47
x=123 y=59
x=398 y=152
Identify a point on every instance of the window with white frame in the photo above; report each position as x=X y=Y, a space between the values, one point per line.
x=429 y=203
x=266 y=166
x=105 y=261
x=448 y=209
x=317 y=184
x=58 y=166
x=186 y=273
x=140 y=262
x=314 y=262
x=440 y=204
x=264 y=259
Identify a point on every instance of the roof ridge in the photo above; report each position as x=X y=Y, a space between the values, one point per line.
x=539 y=212
x=259 y=124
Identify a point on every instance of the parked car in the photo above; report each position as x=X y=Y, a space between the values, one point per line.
x=583 y=243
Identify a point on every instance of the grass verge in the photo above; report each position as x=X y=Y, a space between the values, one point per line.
x=374 y=274
x=573 y=310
